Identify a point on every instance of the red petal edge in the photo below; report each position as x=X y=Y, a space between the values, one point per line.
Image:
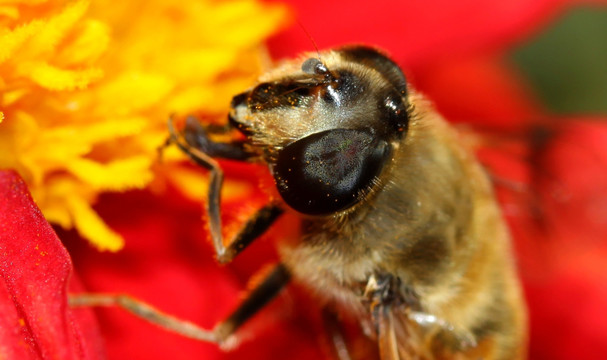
x=36 y=270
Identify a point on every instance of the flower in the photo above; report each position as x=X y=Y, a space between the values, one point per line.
x=87 y=89
x=452 y=51
x=35 y=273
x=462 y=69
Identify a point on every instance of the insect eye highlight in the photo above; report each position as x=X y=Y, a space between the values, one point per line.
x=396 y=113
x=314 y=66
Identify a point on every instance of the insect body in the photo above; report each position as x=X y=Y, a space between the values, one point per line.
x=400 y=225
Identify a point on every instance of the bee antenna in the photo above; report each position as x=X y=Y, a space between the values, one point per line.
x=316 y=66
x=310 y=37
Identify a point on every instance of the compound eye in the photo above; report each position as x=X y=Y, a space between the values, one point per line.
x=329 y=171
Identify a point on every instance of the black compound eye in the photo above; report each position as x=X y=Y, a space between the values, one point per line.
x=327 y=172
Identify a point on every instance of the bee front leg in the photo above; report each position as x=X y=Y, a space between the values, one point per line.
x=221 y=334
x=402 y=328
x=339 y=347
x=195 y=143
x=195 y=136
x=389 y=304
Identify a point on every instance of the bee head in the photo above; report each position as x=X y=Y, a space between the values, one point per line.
x=326 y=125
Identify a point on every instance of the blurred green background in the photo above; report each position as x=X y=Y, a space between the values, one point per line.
x=566 y=63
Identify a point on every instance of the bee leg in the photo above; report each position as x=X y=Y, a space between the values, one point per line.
x=393 y=306
x=160 y=149
x=221 y=333
x=389 y=301
x=144 y=311
x=460 y=338
x=331 y=324
x=272 y=284
x=195 y=143
x=255 y=226
x=387 y=289
x=194 y=139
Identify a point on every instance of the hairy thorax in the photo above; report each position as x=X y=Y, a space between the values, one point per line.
x=434 y=225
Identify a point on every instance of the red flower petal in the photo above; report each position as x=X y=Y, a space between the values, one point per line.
x=574 y=183
x=479 y=90
x=414 y=31
x=560 y=227
x=35 y=267
x=567 y=307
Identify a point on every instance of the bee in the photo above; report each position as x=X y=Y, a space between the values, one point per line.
x=400 y=226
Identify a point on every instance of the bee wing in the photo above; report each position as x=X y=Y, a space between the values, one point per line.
x=398 y=337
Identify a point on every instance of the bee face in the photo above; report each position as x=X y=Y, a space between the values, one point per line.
x=328 y=128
